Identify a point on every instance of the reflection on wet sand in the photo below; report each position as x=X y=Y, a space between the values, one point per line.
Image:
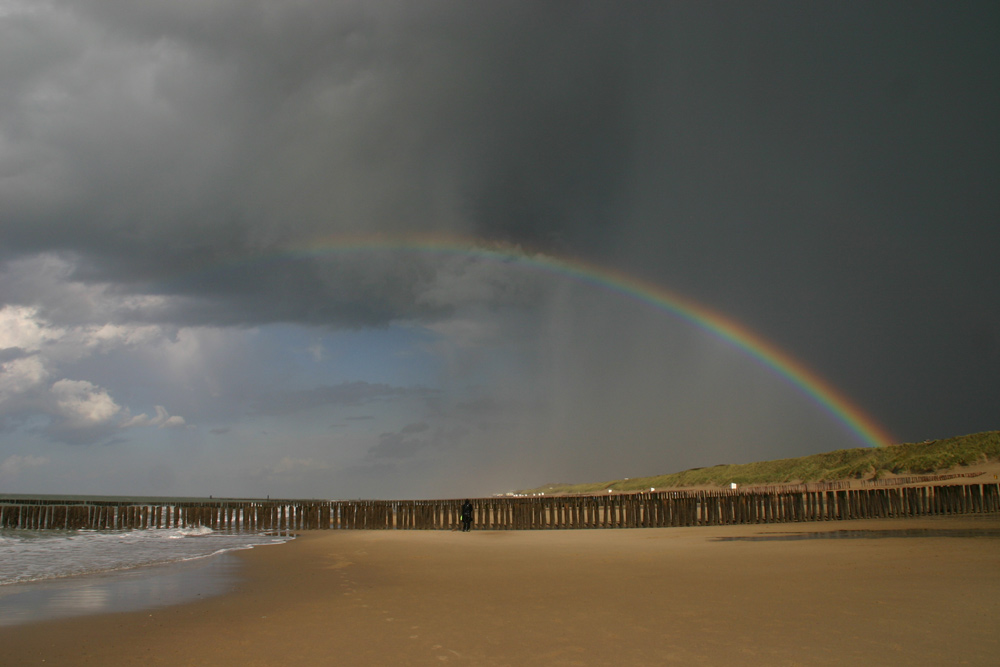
x=126 y=590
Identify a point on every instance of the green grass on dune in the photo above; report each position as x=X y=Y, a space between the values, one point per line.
x=904 y=459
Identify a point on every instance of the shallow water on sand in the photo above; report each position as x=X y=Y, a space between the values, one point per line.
x=50 y=573
x=124 y=590
x=863 y=534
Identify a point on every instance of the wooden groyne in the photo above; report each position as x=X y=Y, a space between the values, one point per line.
x=638 y=510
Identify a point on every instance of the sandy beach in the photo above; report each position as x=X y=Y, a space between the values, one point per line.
x=924 y=593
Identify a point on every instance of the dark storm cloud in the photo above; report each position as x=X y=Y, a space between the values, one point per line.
x=153 y=142
x=824 y=172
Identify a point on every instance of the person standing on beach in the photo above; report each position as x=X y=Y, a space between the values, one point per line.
x=466 y=516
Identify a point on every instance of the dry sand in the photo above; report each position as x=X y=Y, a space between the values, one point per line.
x=584 y=597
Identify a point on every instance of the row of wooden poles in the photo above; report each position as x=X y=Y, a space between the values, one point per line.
x=639 y=510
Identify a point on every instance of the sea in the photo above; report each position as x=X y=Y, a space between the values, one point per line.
x=46 y=574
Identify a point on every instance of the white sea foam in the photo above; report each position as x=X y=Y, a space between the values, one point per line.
x=49 y=554
x=194 y=531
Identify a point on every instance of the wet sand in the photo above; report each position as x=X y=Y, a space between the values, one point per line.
x=123 y=590
x=584 y=597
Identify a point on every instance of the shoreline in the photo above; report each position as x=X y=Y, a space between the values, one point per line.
x=132 y=589
x=580 y=597
x=58 y=573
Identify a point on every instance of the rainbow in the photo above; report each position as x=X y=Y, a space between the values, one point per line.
x=821 y=392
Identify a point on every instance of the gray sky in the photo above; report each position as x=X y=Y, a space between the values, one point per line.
x=181 y=311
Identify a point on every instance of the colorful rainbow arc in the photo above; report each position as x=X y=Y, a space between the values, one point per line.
x=781 y=363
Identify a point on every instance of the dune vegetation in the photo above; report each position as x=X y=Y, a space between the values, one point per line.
x=933 y=456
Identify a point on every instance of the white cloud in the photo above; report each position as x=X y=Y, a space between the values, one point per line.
x=83 y=404
x=20 y=376
x=83 y=341
x=46 y=291
x=163 y=419
x=20 y=327
x=50 y=323
x=24 y=328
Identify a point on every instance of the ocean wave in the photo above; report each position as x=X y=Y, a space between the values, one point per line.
x=192 y=531
x=40 y=555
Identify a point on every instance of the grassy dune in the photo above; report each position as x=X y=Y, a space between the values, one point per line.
x=905 y=459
